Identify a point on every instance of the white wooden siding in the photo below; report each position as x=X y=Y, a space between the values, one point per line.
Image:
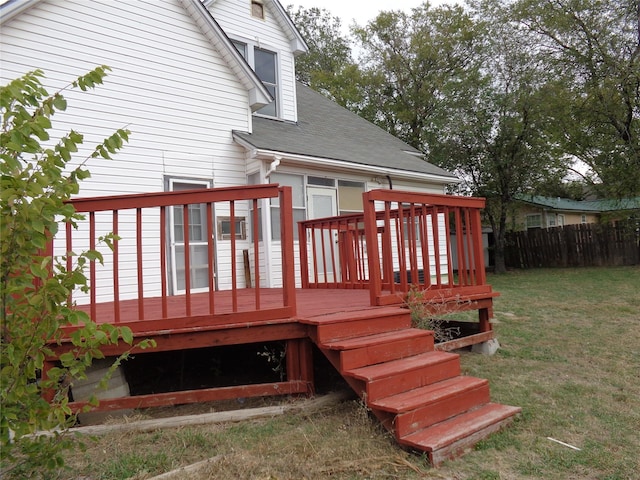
x=168 y=85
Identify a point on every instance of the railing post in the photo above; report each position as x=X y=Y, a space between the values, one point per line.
x=304 y=255
x=476 y=230
x=373 y=250
x=286 y=235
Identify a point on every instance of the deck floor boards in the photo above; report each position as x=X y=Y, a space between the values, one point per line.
x=310 y=303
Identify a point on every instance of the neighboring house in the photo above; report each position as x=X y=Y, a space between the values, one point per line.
x=208 y=91
x=545 y=212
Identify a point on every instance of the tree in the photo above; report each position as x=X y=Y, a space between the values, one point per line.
x=594 y=47
x=35 y=286
x=413 y=63
x=328 y=67
x=497 y=138
x=464 y=87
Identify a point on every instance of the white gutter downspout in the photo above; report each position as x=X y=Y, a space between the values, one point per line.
x=266 y=226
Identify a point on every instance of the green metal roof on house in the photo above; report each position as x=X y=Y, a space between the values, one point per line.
x=325 y=130
x=565 y=204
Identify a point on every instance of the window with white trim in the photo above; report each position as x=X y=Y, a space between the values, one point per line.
x=265 y=63
x=350 y=197
x=296 y=182
x=534 y=220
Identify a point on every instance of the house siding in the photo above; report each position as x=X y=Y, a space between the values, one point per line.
x=168 y=86
x=570 y=218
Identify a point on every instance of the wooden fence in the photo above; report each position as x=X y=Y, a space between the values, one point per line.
x=574 y=246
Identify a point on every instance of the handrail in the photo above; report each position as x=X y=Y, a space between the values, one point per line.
x=145 y=250
x=412 y=244
x=401 y=239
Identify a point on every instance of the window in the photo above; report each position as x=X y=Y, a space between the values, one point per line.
x=257 y=9
x=534 y=221
x=265 y=64
x=321 y=181
x=350 y=197
x=265 y=68
x=224 y=228
x=583 y=219
x=241 y=47
x=296 y=182
x=551 y=220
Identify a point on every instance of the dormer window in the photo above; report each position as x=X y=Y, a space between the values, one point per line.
x=257 y=9
x=265 y=64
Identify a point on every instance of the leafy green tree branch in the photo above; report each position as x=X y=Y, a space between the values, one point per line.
x=36 y=313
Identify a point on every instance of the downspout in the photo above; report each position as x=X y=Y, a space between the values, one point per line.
x=266 y=225
x=390 y=182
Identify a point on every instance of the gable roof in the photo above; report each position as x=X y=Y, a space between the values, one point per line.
x=568 y=205
x=259 y=96
x=328 y=133
x=297 y=43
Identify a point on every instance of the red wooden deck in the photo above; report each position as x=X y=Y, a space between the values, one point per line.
x=355 y=314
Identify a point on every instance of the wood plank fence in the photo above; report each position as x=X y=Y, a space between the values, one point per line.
x=575 y=246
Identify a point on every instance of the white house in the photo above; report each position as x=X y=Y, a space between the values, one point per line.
x=208 y=90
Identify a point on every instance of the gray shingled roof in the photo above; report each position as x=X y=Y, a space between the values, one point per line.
x=566 y=204
x=327 y=130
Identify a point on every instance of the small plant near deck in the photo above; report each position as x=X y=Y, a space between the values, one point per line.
x=35 y=286
x=276 y=356
x=427 y=312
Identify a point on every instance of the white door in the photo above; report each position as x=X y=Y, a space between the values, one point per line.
x=323 y=202
x=198 y=247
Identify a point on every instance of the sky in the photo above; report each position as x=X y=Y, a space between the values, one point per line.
x=360 y=10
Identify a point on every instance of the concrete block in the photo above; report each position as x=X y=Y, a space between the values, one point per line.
x=116 y=387
x=490 y=347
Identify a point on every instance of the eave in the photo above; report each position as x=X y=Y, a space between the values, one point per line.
x=342 y=166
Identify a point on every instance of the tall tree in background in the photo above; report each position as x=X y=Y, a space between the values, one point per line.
x=594 y=46
x=328 y=67
x=411 y=64
x=462 y=87
x=496 y=136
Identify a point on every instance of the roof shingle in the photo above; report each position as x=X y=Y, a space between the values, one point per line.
x=327 y=130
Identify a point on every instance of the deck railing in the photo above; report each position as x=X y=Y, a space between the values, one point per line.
x=402 y=239
x=144 y=255
x=333 y=252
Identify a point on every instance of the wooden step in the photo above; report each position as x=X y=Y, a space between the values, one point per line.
x=431 y=404
x=396 y=376
x=358 y=323
x=452 y=437
x=382 y=347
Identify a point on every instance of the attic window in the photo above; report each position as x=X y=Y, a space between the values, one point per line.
x=257 y=9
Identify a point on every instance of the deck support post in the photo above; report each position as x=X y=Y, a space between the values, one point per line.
x=300 y=362
x=484 y=315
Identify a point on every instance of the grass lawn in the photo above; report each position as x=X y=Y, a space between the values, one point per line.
x=570 y=357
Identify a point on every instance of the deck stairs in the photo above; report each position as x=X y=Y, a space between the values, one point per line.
x=416 y=392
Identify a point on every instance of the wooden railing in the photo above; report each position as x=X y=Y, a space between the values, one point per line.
x=409 y=242
x=135 y=284
x=402 y=239
x=334 y=253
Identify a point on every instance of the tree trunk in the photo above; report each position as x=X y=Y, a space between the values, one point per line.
x=499 y=262
x=499 y=231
